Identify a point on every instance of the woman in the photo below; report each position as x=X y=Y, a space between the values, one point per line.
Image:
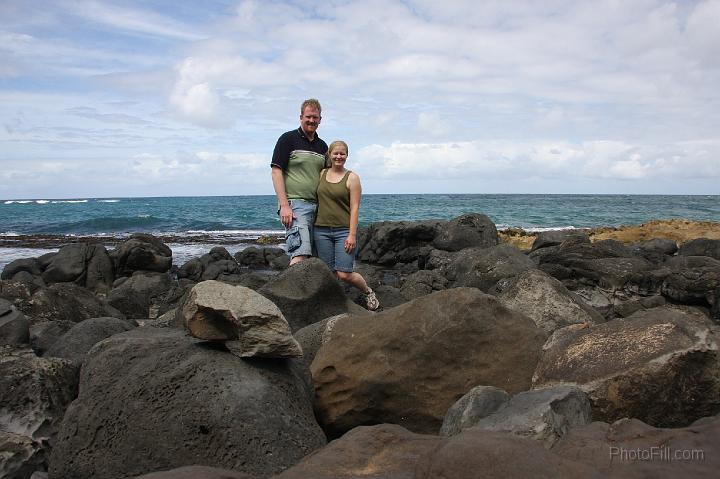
x=335 y=231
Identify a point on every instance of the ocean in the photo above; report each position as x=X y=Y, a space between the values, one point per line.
x=192 y=225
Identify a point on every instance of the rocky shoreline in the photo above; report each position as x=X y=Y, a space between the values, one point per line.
x=574 y=355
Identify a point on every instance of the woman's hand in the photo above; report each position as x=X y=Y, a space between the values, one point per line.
x=350 y=243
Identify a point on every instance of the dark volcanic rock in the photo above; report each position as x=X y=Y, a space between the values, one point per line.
x=466 y=231
x=407 y=365
x=87 y=265
x=157 y=386
x=306 y=292
x=388 y=242
x=14 y=326
x=43 y=334
x=693 y=279
x=137 y=294
x=66 y=301
x=75 y=344
x=483 y=267
x=423 y=282
x=28 y=265
x=701 y=247
x=557 y=237
x=34 y=393
x=656 y=249
x=142 y=252
x=660 y=365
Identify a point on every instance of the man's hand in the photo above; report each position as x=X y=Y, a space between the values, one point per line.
x=286 y=216
x=350 y=243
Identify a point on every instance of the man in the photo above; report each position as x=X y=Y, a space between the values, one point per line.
x=298 y=158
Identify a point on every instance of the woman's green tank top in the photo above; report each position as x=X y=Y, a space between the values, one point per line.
x=333 y=202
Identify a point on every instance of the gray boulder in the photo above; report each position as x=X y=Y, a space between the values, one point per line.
x=66 y=302
x=14 y=326
x=557 y=237
x=313 y=336
x=136 y=295
x=75 y=344
x=547 y=301
x=692 y=280
x=152 y=386
x=482 y=268
x=306 y=292
x=701 y=247
x=544 y=415
x=423 y=282
x=390 y=242
x=479 y=402
x=27 y=265
x=142 y=252
x=87 y=265
x=656 y=249
x=43 y=334
x=466 y=231
x=34 y=393
x=248 y=323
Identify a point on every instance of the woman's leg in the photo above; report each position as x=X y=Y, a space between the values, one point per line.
x=324 y=245
x=353 y=279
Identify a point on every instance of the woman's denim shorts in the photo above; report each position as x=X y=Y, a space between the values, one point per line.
x=330 y=246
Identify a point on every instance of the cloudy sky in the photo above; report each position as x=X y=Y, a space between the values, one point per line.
x=165 y=98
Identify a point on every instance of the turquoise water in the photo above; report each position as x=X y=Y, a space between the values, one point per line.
x=248 y=215
x=224 y=220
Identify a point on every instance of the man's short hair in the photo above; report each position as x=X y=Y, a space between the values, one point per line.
x=312 y=103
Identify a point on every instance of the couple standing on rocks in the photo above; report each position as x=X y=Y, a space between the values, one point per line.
x=319 y=199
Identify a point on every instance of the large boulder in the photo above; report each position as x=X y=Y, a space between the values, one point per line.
x=87 y=265
x=306 y=292
x=545 y=239
x=142 y=252
x=157 y=386
x=547 y=301
x=388 y=451
x=656 y=249
x=14 y=326
x=544 y=415
x=34 y=393
x=75 y=344
x=66 y=302
x=248 y=323
x=692 y=280
x=43 y=334
x=423 y=282
x=135 y=296
x=407 y=365
x=701 y=247
x=390 y=242
x=659 y=365
x=482 y=268
x=30 y=266
x=466 y=231
x=630 y=448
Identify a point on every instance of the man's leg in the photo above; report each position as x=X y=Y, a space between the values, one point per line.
x=304 y=213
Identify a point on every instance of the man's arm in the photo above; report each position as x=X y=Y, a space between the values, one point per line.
x=278 y=181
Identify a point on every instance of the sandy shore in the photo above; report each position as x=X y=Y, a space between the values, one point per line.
x=677 y=230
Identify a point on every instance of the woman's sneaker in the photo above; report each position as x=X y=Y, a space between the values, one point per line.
x=371 y=301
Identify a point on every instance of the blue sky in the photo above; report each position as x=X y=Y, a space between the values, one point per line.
x=161 y=98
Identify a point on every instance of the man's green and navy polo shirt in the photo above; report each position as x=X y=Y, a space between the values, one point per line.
x=301 y=161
